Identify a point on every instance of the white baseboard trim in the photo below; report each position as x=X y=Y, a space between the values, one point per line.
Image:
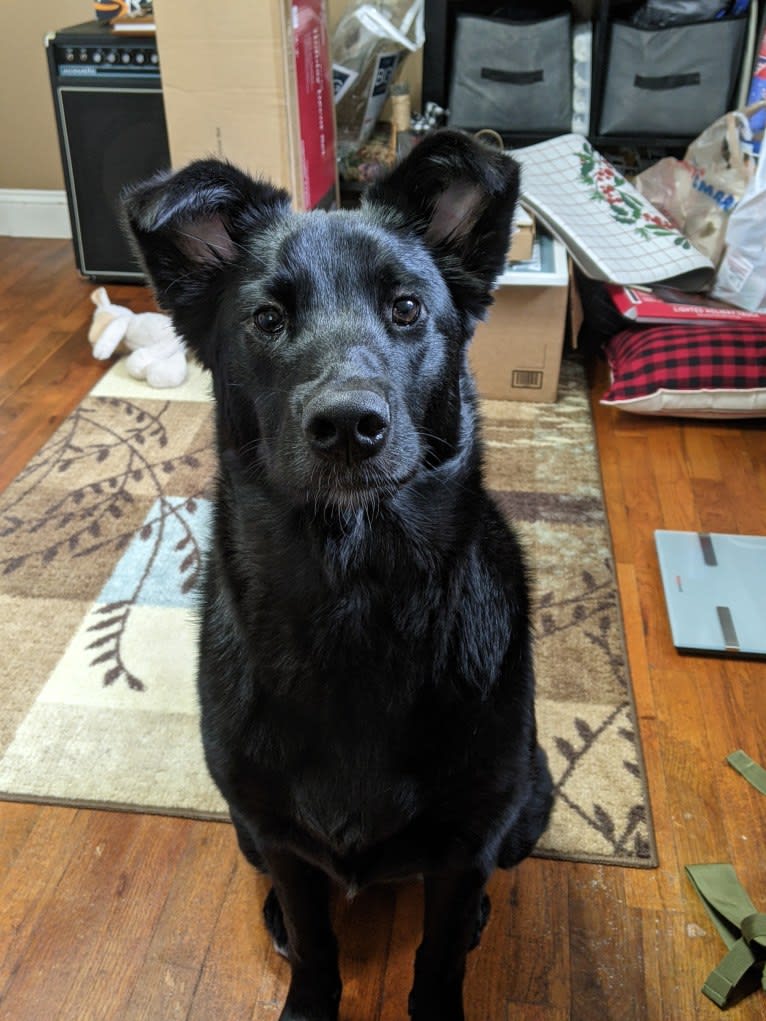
x=31 y=213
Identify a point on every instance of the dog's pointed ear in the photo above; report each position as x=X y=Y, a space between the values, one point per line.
x=190 y=228
x=459 y=195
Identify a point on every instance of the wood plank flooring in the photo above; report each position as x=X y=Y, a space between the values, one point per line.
x=112 y=916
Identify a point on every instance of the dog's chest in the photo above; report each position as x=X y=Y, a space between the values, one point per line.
x=343 y=782
x=355 y=742
x=353 y=805
x=367 y=632
x=355 y=716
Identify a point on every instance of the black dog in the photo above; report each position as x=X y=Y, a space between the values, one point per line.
x=365 y=671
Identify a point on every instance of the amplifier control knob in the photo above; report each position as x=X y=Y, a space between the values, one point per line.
x=111 y=57
x=125 y=57
x=154 y=59
x=98 y=57
x=139 y=58
x=69 y=56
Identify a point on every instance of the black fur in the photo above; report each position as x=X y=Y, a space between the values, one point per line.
x=365 y=670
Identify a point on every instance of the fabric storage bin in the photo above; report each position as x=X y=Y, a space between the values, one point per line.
x=512 y=75
x=670 y=81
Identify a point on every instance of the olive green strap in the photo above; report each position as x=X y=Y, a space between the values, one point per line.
x=723 y=980
x=752 y=772
x=723 y=897
x=741 y=927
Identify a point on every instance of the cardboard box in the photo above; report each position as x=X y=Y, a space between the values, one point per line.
x=523 y=237
x=252 y=83
x=516 y=353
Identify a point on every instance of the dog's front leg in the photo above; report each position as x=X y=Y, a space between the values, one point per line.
x=456 y=910
x=302 y=892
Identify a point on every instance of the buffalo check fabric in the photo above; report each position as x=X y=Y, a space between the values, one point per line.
x=691 y=370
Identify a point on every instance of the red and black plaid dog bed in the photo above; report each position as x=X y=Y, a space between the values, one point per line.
x=706 y=370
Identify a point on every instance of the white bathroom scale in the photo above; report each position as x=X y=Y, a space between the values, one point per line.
x=715 y=591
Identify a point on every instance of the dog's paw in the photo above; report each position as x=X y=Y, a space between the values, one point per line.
x=438 y=1007
x=288 y=1014
x=275 y=923
x=312 y=1001
x=484 y=909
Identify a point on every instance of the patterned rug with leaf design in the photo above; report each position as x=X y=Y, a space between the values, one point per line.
x=102 y=538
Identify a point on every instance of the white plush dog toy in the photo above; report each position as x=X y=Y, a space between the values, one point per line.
x=158 y=354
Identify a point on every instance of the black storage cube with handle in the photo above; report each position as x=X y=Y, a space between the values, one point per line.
x=670 y=81
x=512 y=75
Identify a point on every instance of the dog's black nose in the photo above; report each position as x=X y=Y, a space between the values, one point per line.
x=347 y=425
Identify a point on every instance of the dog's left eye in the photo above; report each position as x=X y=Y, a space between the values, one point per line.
x=405 y=311
x=270 y=319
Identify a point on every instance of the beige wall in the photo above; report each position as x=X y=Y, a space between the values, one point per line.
x=29 y=154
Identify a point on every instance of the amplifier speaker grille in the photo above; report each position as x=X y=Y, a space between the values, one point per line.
x=112 y=133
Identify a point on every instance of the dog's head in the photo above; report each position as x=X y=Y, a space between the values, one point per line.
x=336 y=340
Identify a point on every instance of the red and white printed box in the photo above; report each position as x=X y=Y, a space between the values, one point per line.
x=252 y=83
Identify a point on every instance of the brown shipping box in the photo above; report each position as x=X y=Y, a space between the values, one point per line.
x=516 y=352
x=252 y=83
x=523 y=237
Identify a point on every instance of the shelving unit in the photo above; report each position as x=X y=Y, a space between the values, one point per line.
x=440 y=17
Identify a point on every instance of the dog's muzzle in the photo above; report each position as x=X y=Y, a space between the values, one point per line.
x=346 y=425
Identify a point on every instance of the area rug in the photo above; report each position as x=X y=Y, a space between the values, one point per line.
x=102 y=539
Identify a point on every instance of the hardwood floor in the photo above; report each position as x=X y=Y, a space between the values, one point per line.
x=114 y=916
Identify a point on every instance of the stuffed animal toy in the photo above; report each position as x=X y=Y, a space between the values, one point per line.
x=158 y=354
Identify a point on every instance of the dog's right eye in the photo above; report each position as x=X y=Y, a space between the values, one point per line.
x=405 y=311
x=269 y=319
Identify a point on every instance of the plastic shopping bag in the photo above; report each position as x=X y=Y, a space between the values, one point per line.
x=369 y=44
x=699 y=192
x=741 y=278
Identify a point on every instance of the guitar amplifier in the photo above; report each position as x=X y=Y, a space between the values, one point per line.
x=107 y=96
